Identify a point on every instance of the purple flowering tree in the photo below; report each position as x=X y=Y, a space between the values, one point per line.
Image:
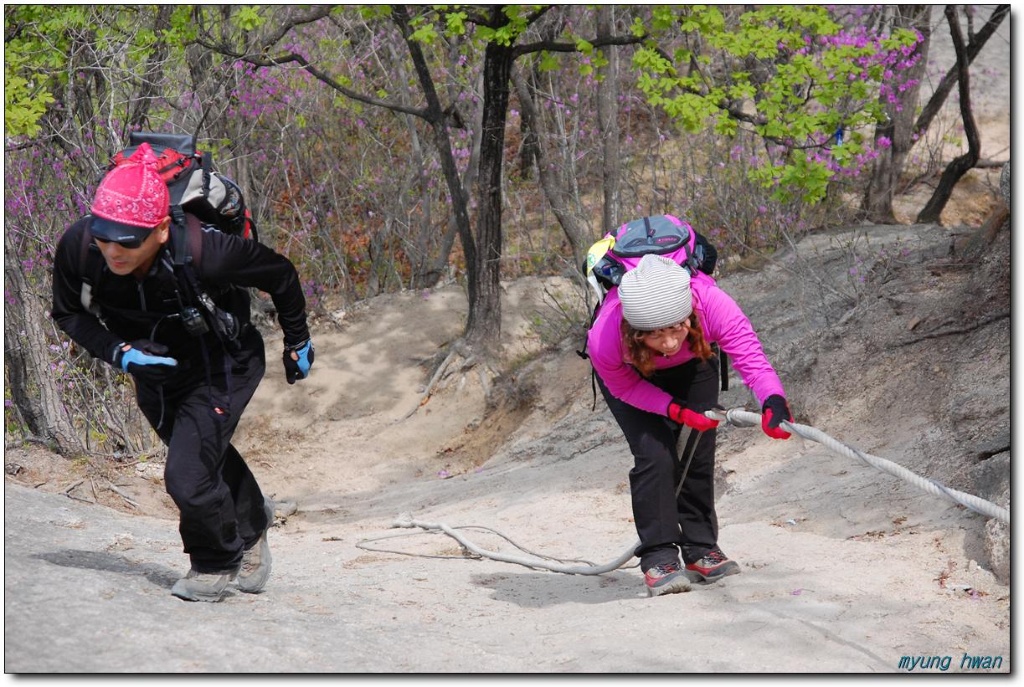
x=966 y=51
x=498 y=36
x=904 y=126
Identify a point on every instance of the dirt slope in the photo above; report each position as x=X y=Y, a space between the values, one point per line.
x=845 y=569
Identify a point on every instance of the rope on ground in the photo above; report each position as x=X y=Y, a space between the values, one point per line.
x=547 y=563
x=535 y=561
x=743 y=418
x=737 y=417
x=405 y=519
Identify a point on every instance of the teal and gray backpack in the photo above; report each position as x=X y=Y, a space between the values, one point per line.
x=620 y=251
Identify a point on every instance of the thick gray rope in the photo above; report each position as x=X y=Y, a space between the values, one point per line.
x=404 y=520
x=739 y=418
x=744 y=418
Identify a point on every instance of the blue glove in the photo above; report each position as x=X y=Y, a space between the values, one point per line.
x=145 y=360
x=298 y=367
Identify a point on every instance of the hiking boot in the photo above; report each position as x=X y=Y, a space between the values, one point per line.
x=666 y=578
x=713 y=566
x=255 y=569
x=197 y=586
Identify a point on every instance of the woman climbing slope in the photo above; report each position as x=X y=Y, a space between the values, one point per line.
x=650 y=346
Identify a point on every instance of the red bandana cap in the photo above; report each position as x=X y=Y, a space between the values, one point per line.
x=131 y=200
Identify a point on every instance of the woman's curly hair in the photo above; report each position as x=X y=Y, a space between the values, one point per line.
x=642 y=356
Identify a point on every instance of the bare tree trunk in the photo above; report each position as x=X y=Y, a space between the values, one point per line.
x=459 y=198
x=974 y=46
x=878 y=195
x=426 y=261
x=455 y=224
x=555 y=193
x=151 y=82
x=29 y=379
x=912 y=17
x=483 y=327
x=964 y=163
x=898 y=127
x=608 y=122
x=528 y=155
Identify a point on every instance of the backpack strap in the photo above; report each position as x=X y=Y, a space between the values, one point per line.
x=586 y=356
x=186 y=238
x=90 y=268
x=723 y=367
x=186 y=253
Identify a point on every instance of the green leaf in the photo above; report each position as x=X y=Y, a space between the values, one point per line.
x=696 y=59
x=548 y=62
x=247 y=18
x=456 y=23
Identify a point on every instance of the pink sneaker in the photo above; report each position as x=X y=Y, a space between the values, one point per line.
x=713 y=566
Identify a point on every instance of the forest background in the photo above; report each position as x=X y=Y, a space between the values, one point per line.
x=387 y=148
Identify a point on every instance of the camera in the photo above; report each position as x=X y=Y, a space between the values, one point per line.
x=193 y=321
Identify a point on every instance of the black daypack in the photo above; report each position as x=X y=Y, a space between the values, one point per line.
x=195 y=187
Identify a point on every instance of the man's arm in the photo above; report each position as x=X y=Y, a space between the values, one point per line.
x=246 y=263
x=67 y=310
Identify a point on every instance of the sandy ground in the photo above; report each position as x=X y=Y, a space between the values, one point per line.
x=844 y=569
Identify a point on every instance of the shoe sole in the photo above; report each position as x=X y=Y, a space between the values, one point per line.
x=254 y=584
x=181 y=590
x=697 y=577
x=193 y=596
x=678 y=585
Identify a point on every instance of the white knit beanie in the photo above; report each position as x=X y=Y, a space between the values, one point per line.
x=655 y=294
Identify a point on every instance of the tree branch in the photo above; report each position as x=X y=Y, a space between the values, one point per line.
x=559 y=46
x=957 y=330
x=974 y=46
x=326 y=78
x=932 y=210
x=314 y=13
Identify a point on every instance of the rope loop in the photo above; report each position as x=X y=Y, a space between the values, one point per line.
x=737 y=417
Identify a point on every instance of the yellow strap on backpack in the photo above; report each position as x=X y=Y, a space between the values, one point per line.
x=594 y=254
x=597 y=251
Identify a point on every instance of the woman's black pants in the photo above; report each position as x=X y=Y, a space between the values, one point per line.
x=666 y=523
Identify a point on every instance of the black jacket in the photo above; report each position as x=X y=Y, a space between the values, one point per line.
x=148 y=309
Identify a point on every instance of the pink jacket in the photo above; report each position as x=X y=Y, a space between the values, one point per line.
x=723 y=322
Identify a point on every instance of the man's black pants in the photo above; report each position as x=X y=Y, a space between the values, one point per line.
x=220 y=503
x=664 y=522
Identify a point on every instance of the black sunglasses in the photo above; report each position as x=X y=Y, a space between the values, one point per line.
x=130 y=244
